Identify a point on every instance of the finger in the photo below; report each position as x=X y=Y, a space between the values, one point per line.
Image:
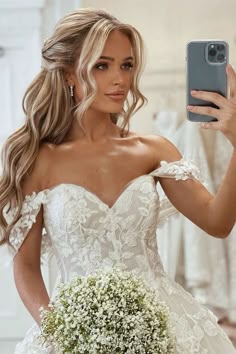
x=213 y=97
x=231 y=76
x=206 y=111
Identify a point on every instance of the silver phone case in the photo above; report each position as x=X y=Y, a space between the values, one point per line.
x=203 y=75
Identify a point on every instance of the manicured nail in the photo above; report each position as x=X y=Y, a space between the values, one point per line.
x=193 y=92
x=189 y=108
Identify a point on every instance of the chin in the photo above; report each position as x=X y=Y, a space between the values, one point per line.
x=109 y=108
x=113 y=110
x=116 y=109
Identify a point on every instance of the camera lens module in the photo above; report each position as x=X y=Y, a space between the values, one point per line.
x=216 y=52
x=212 y=52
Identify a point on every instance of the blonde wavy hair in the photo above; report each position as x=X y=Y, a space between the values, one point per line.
x=77 y=43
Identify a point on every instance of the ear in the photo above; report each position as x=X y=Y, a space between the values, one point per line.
x=69 y=77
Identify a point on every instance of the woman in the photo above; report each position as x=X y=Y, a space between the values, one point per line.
x=90 y=181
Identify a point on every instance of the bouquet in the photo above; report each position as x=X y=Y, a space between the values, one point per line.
x=105 y=313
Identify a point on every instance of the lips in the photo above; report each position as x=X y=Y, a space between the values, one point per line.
x=116 y=96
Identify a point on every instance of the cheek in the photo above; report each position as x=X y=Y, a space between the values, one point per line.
x=78 y=94
x=101 y=81
x=100 y=86
x=130 y=80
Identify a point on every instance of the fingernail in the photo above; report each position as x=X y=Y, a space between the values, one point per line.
x=193 y=92
x=189 y=108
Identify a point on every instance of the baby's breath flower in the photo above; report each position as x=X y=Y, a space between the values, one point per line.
x=107 y=312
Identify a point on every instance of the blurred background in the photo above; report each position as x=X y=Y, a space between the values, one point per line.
x=204 y=266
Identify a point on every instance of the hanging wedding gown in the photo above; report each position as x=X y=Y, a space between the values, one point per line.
x=222 y=153
x=205 y=263
x=85 y=235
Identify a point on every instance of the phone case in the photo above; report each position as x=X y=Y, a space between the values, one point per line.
x=206 y=73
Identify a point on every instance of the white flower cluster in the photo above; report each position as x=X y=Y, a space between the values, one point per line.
x=108 y=312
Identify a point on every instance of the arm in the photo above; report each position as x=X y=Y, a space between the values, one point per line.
x=193 y=200
x=27 y=272
x=215 y=215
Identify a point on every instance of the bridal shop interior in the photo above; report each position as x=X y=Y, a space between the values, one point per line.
x=204 y=265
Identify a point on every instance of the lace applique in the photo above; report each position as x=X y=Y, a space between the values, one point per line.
x=31 y=344
x=167 y=210
x=104 y=237
x=193 y=323
x=180 y=170
x=29 y=212
x=192 y=330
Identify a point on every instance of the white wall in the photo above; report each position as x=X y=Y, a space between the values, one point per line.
x=20 y=40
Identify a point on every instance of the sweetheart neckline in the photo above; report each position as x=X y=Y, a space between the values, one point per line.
x=124 y=189
x=151 y=174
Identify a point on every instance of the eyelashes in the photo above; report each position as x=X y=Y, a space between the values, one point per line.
x=101 y=66
x=104 y=66
x=128 y=65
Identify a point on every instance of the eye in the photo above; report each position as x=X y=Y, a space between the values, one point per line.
x=101 y=66
x=127 y=66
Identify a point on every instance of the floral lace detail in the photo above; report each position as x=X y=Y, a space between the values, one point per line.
x=87 y=235
x=29 y=212
x=180 y=170
x=122 y=236
x=191 y=330
x=194 y=324
x=31 y=343
x=167 y=210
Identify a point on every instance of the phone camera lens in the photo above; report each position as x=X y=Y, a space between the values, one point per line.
x=212 y=52
x=220 y=57
x=220 y=47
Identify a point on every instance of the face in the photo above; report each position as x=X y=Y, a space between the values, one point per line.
x=113 y=74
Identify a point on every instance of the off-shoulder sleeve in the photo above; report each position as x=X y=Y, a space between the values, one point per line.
x=29 y=211
x=179 y=170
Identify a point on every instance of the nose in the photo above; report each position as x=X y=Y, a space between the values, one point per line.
x=118 y=78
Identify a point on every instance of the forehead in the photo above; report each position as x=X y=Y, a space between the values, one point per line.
x=117 y=44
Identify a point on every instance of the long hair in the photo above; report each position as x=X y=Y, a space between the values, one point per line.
x=77 y=43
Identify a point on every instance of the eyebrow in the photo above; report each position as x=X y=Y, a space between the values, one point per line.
x=112 y=59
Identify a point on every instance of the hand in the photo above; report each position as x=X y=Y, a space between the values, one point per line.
x=226 y=114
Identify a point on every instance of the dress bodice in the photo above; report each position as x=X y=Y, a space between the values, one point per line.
x=85 y=234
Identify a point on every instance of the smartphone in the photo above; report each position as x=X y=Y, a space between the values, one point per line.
x=206 y=71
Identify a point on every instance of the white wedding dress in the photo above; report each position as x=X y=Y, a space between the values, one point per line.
x=85 y=235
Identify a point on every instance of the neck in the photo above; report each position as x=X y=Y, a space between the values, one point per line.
x=95 y=127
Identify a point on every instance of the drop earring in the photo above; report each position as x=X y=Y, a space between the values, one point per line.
x=71 y=90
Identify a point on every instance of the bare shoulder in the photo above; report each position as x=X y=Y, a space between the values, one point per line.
x=36 y=179
x=160 y=147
